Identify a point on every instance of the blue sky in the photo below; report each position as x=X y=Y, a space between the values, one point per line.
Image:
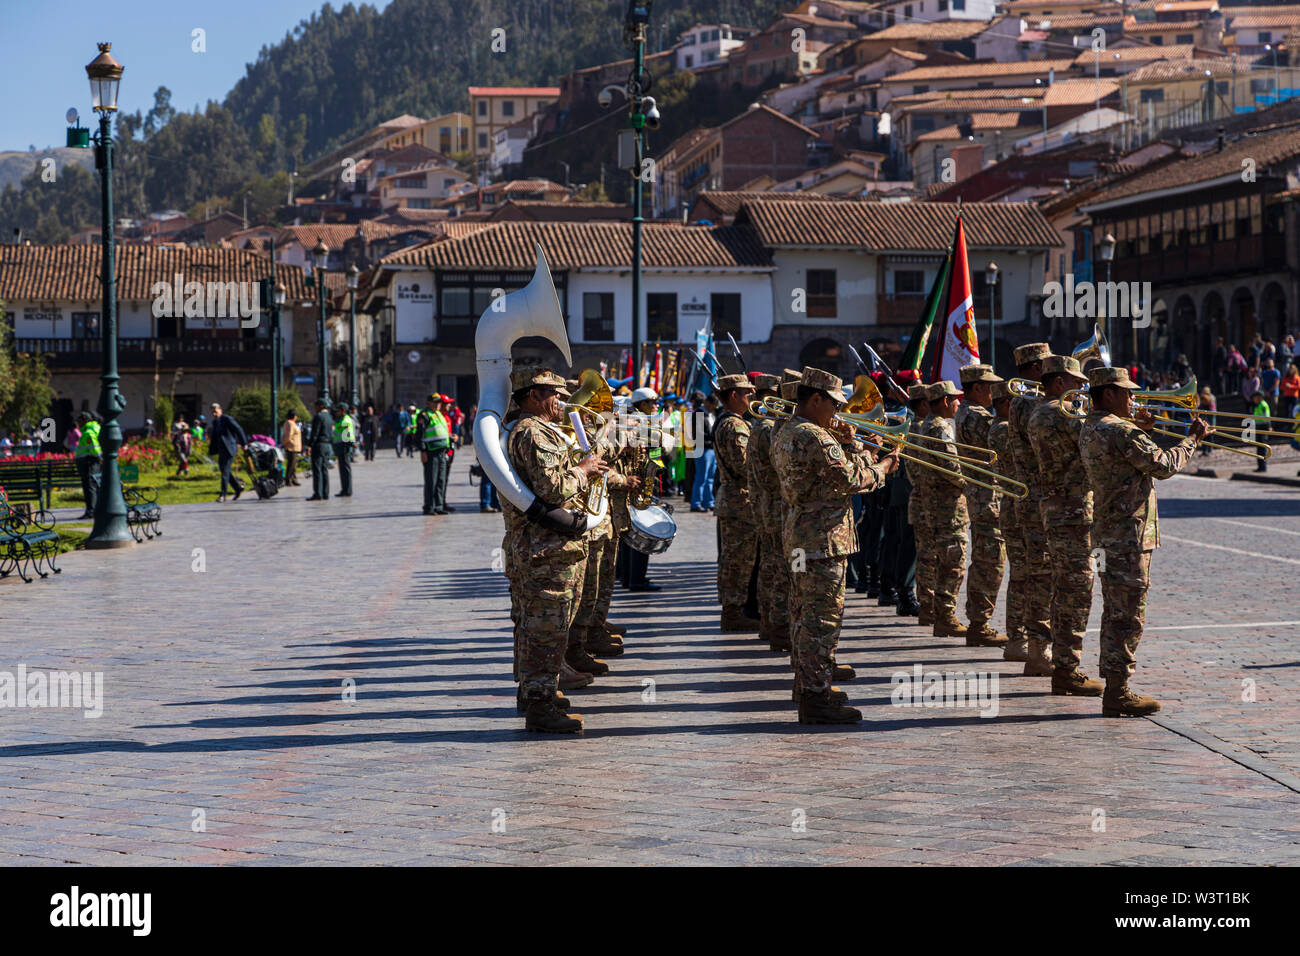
x=48 y=43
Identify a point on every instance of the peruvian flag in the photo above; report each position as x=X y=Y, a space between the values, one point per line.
x=958 y=344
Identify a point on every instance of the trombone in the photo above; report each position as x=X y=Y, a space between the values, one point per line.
x=877 y=434
x=1185 y=397
x=866 y=405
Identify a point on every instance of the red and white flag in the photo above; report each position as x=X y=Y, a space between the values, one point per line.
x=958 y=343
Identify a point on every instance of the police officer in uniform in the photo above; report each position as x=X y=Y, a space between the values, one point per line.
x=1066 y=507
x=320 y=441
x=1017 y=647
x=1036 y=593
x=987 y=555
x=550 y=566
x=433 y=433
x=1123 y=465
x=820 y=466
x=738 y=546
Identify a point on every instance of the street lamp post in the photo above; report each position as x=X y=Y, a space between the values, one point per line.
x=110 y=529
x=277 y=360
x=634 y=34
x=991 y=280
x=1107 y=250
x=353 y=275
x=320 y=256
x=1277 y=90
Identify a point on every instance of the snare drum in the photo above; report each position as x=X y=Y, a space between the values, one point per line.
x=652 y=530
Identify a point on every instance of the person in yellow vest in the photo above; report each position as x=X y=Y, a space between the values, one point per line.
x=345 y=434
x=88 y=458
x=433 y=433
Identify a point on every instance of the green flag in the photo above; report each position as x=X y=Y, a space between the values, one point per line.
x=921 y=334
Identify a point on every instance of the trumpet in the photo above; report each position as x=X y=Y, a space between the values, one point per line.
x=879 y=435
x=1077 y=403
x=593 y=400
x=1025 y=388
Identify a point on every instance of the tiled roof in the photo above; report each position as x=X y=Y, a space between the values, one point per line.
x=1163 y=70
x=547 y=211
x=1137 y=53
x=64 y=273
x=334 y=233
x=943 y=30
x=514 y=91
x=1079 y=92
x=1282 y=18
x=728 y=202
x=996 y=93
x=401 y=122
x=907 y=226
x=961 y=71
x=1075 y=21
x=992 y=104
x=980 y=122
x=1014 y=5
x=569 y=245
x=1265 y=150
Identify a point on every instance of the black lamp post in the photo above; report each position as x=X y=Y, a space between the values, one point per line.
x=277 y=360
x=991 y=280
x=110 y=529
x=1106 y=248
x=353 y=275
x=320 y=256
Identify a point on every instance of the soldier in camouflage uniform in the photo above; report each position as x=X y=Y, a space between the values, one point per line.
x=820 y=467
x=947 y=512
x=1066 y=507
x=1122 y=465
x=1017 y=648
x=765 y=498
x=987 y=554
x=549 y=565
x=1036 y=594
x=738 y=549
x=918 y=400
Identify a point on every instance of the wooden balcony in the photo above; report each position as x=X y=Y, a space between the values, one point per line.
x=1248 y=254
x=192 y=351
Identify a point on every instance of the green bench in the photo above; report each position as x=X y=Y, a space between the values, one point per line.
x=28 y=540
x=142 y=512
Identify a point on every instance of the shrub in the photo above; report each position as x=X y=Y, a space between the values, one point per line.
x=251 y=407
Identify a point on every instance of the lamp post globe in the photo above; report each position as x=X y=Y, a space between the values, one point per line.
x=354 y=276
x=991 y=280
x=110 y=529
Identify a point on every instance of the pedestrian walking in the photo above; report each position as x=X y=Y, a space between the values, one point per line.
x=181 y=444
x=369 y=432
x=291 y=444
x=225 y=438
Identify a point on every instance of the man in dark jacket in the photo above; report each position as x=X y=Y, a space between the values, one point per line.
x=320 y=437
x=225 y=438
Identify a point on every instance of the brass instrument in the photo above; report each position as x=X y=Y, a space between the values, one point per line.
x=879 y=435
x=1025 y=387
x=1095 y=349
x=866 y=404
x=592 y=401
x=1185 y=397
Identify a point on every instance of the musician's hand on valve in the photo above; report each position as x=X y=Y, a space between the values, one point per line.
x=842 y=431
x=633 y=483
x=593 y=465
x=890 y=461
x=1200 y=428
x=1144 y=419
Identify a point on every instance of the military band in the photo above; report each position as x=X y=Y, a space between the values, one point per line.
x=785 y=508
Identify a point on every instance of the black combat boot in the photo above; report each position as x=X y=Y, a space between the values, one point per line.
x=822 y=709
x=907 y=606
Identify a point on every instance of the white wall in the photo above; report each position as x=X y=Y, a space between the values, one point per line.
x=754 y=289
x=855 y=279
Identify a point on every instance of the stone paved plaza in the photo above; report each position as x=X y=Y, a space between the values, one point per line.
x=227 y=736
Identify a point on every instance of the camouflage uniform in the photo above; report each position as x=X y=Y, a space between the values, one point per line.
x=549 y=566
x=1012 y=539
x=602 y=551
x=1066 y=508
x=774 y=570
x=739 y=546
x=984 y=506
x=948 y=518
x=918 y=516
x=818 y=476
x=1122 y=465
x=1036 y=595
x=620 y=460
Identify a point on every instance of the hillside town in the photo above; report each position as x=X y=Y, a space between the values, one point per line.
x=1155 y=140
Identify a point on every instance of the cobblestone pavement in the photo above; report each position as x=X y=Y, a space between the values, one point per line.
x=226 y=736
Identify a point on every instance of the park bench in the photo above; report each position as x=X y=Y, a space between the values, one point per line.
x=53 y=474
x=27 y=537
x=142 y=512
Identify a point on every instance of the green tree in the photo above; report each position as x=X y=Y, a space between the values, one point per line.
x=251 y=407
x=25 y=390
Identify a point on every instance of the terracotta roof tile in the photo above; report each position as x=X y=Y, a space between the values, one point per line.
x=961 y=71
x=568 y=245
x=1183 y=69
x=728 y=202
x=906 y=226
x=943 y=30
x=64 y=273
x=1129 y=54
x=334 y=233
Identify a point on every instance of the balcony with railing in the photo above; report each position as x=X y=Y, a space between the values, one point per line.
x=1258 y=253
x=193 y=351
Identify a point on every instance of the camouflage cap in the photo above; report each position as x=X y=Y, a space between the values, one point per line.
x=1063 y=365
x=978 y=373
x=943 y=389
x=790 y=389
x=1110 y=376
x=727 y=382
x=534 y=375
x=1032 y=352
x=790 y=375
x=824 y=382
x=762 y=380
x=1001 y=390
x=918 y=393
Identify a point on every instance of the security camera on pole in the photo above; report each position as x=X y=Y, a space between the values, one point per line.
x=642 y=114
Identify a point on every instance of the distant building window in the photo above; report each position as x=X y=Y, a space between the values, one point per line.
x=959 y=4
x=690 y=61
x=1265 y=36
x=1184 y=38
x=909 y=282
x=907 y=12
x=821 y=294
x=598 y=316
x=943 y=5
x=713 y=34
x=1152 y=96
x=1261 y=86
x=508 y=108
x=725 y=309
x=984 y=85
x=921 y=89
x=1157 y=41
x=482 y=140
x=482 y=107
x=661 y=316
x=85 y=325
